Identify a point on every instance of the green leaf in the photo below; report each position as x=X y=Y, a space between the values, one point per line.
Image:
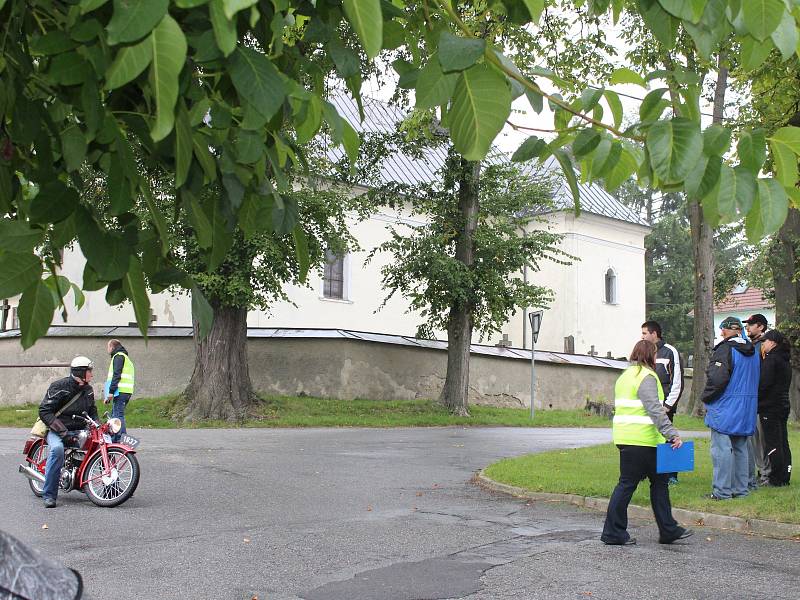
x=615 y=105
x=135 y=289
x=231 y=7
x=434 y=86
x=480 y=106
x=183 y=145
x=156 y=217
x=752 y=149
x=535 y=100
x=301 y=250
x=134 y=19
x=346 y=61
x=35 y=312
x=716 y=140
x=17 y=272
x=675 y=147
x=198 y=219
x=169 y=56
x=204 y=156
x=585 y=142
x=257 y=81
x=769 y=210
x=351 y=142
x=202 y=313
x=734 y=193
x=220 y=236
x=88 y=6
x=130 y=62
x=762 y=16
x=17 y=236
x=569 y=173
x=662 y=24
x=536 y=8
x=701 y=181
x=190 y=3
x=530 y=148
x=785 y=37
x=785 y=146
x=459 y=53
x=624 y=166
x=77 y=292
x=54 y=202
x=249 y=147
x=224 y=28
x=653 y=105
x=688 y=10
x=73 y=147
x=53 y=42
x=366 y=18
x=626 y=75
x=753 y=53
x=307 y=129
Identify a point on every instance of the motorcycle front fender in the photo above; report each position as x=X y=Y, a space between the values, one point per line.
x=125 y=450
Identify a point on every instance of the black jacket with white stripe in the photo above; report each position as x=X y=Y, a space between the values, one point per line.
x=670 y=374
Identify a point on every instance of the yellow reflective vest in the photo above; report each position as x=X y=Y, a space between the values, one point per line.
x=632 y=425
x=125 y=385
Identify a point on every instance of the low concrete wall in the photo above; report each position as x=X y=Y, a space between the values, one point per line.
x=323 y=367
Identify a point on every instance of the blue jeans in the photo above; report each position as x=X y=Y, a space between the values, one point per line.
x=118 y=411
x=52 y=469
x=731 y=465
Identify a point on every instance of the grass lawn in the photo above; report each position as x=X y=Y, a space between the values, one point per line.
x=594 y=472
x=287 y=411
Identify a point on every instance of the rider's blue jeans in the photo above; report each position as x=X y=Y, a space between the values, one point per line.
x=52 y=469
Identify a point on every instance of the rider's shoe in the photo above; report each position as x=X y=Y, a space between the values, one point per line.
x=49 y=502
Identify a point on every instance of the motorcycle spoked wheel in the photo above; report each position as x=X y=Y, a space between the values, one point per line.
x=112 y=493
x=37 y=455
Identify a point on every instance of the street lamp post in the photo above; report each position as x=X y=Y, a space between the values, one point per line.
x=536 y=324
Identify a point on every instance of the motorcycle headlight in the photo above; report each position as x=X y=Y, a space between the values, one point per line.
x=114 y=425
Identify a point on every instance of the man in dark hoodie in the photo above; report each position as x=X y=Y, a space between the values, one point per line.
x=119 y=383
x=773 y=405
x=731 y=399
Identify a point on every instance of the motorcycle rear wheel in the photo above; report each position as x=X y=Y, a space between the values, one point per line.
x=36 y=456
x=118 y=491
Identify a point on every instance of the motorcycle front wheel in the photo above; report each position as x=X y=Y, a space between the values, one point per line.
x=37 y=457
x=116 y=488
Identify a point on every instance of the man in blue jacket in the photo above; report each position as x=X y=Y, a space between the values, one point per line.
x=731 y=399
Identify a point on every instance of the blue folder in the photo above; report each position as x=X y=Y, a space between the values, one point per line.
x=669 y=460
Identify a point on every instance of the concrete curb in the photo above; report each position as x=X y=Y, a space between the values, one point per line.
x=690 y=518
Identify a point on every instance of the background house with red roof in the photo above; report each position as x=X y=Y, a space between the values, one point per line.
x=743 y=301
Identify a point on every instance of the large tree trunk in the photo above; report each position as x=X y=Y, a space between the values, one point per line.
x=785 y=262
x=220 y=386
x=455 y=393
x=703 y=253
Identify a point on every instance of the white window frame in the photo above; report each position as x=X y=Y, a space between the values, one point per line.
x=346 y=288
x=614 y=300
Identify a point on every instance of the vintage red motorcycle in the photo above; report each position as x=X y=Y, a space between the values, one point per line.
x=107 y=472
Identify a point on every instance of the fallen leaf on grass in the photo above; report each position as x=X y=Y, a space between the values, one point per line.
x=44 y=526
x=708 y=539
x=246 y=540
x=369 y=509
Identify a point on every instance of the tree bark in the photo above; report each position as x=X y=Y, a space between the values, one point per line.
x=455 y=393
x=785 y=262
x=220 y=386
x=703 y=253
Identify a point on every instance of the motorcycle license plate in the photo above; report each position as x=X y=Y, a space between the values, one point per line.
x=129 y=440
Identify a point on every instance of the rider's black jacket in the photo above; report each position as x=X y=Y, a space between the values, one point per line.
x=58 y=394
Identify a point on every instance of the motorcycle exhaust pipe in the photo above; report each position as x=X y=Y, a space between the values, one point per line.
x=31 y=474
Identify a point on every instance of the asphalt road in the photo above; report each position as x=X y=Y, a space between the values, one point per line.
x=366 y=514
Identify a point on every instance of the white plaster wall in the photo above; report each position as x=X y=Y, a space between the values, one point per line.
x=578 y=309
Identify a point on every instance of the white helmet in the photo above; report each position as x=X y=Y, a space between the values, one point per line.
x=79 y=366
x=81 y=362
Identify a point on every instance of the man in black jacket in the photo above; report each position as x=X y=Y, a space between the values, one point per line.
x=757 y=325
x=65 y=401
x=773 y=406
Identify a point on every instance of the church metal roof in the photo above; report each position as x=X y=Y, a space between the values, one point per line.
x=382 y=118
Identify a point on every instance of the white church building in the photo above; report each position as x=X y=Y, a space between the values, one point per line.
x=599 y=299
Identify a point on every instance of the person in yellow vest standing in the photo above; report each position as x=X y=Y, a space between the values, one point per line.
x=640 y=424
x=119 y=383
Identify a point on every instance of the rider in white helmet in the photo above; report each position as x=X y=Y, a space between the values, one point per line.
x=66 y=399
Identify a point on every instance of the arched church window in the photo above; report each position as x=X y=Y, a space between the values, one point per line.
x=611 y=286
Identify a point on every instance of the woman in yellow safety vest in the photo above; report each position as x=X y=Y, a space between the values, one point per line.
x=640 y=424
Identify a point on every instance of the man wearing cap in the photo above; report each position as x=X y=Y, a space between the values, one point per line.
x=731 y=399
x=757 y=326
